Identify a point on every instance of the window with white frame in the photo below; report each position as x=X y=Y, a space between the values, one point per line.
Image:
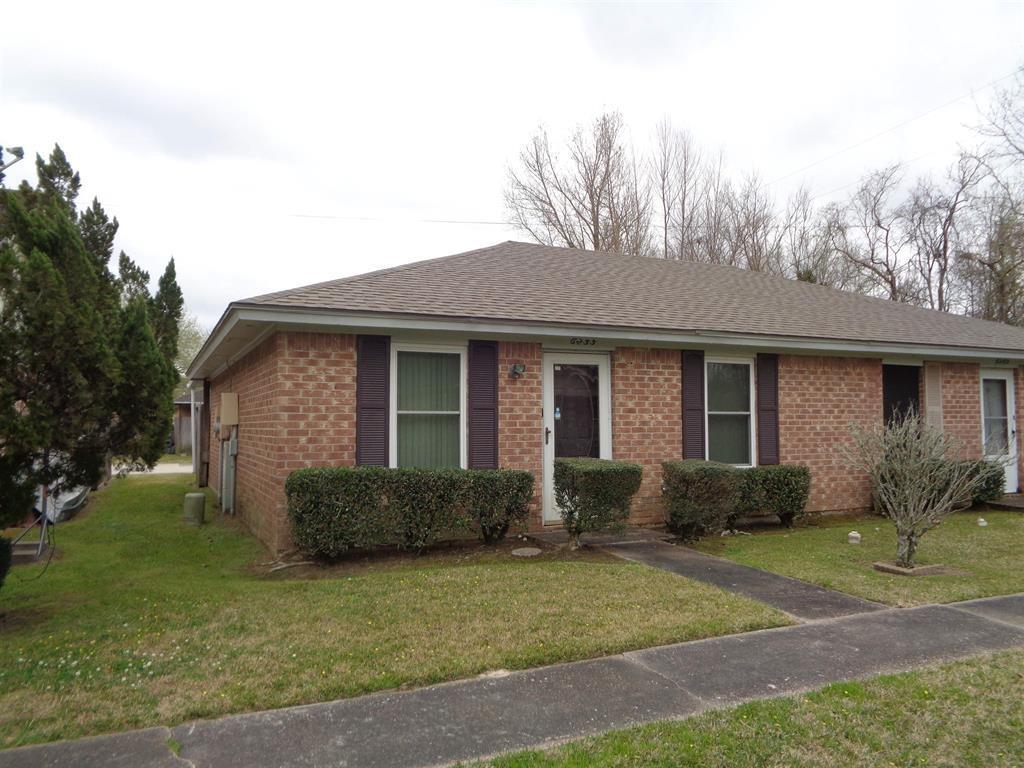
x=428 y=410
x=729 y=398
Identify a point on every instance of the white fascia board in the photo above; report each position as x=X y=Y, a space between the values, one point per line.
x=355 y=323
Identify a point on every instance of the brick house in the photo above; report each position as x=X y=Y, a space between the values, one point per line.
x=511 y=355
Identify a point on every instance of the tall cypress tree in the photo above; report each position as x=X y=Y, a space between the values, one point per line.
x=165 y=313
x=56 y=362
x=83 y=373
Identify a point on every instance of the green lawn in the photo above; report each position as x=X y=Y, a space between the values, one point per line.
x=983 y=561
x=175 y=458
x=142 y=619
x=968 y=713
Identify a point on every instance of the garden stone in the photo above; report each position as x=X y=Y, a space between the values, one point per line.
x=525 y=552
x=853 y=537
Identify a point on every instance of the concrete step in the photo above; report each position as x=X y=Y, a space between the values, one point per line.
x=1009 y=503
x=26 y=552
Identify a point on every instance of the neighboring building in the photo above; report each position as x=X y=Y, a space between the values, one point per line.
x=511 y=355
x=181 y=430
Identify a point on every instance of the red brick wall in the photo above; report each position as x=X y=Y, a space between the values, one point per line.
x=647 y=424
x=819 y=397
x=961 y=405
x=296 y=408
x=520 y=417
x=317 y=398
x=255 y=379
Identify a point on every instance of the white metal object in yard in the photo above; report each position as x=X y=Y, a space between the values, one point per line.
x=853 y=537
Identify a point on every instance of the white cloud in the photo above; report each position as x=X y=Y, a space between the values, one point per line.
x=206 y=128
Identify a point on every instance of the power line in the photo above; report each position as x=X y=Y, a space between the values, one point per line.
x=890 y=130
x=903 y=163
x=399 y=220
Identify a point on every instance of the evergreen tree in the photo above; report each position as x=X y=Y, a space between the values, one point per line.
x=56 y=363
x=86 y=358
x=165 y=313
x=58 y=179
x=133 y=281
x=143 y=400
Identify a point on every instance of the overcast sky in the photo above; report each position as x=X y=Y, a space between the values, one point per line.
x=228 y=136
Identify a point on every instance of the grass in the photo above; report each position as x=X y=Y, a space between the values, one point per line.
x=967 y=713
x=175 y=458
x=142 y=620
x=982 y=561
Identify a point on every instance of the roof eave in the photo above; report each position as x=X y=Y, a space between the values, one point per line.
x=246 y=325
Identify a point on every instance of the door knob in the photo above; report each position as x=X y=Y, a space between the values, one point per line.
x=547 y=435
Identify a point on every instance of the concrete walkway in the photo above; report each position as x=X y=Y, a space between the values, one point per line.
x=476 y=718
x=800 y=599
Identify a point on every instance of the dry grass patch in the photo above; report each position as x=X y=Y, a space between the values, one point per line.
x=146 y=620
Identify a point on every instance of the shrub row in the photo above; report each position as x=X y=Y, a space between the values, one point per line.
x=335 y=509
x=594 y=494
x=991 y=480
x=705 y=497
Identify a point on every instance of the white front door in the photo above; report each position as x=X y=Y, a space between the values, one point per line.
x=577 y=414
x=998 y=422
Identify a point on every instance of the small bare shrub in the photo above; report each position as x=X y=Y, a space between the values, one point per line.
x=917 y=477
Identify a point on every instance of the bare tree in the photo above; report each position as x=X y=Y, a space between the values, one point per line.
x=992 y=272
x=1002 y=126
x=807 y=248
x=933 y=216
x=596 y=199
x=869 y=232
x=755 y=232
x=916 y=475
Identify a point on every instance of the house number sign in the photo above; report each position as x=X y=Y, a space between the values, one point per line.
x=582 y=342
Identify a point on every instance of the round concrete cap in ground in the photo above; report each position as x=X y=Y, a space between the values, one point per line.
x=525 y=552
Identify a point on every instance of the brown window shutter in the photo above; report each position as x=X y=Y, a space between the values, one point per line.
x=483 y=405
x=693 y=405
x=373 y=399
x=767 y=409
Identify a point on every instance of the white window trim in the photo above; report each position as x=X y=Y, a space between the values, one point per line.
x=749 y=362
x=448 y=349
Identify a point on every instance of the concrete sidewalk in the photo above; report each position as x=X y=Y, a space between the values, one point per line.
x=800 y=599
x=476 y=718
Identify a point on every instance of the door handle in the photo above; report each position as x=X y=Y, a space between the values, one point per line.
x=547 y=435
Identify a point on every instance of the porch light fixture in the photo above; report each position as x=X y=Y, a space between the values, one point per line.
x=517 y=370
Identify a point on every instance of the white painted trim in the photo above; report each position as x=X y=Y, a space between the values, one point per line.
x=605 y=336
x=447 y=349
x=604 y=382
x=1009 y=459
x=750 y=414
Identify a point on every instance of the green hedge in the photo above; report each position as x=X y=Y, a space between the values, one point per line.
x=6 y=553
x=594 y=494
x=704 y=497
x=337 y=509
x=700 y=496
x=497 y=499
x=991 y=481
x=780 y=490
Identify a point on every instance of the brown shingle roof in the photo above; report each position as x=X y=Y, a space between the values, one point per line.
x=542 y=284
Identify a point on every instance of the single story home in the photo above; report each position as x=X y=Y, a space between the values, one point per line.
x=515 y=354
